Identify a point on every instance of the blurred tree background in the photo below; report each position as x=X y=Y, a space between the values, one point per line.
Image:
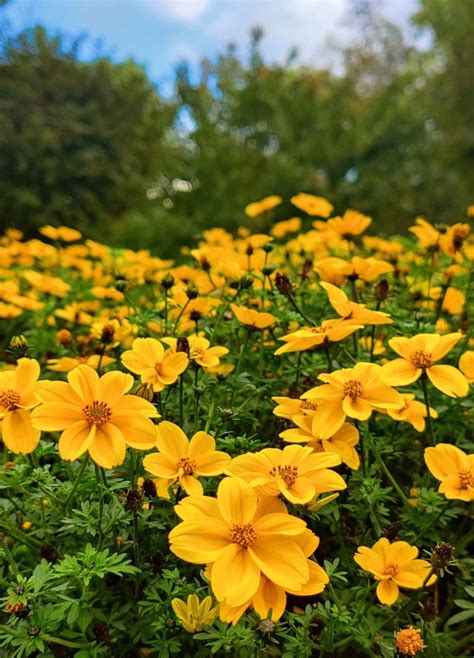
x=94 y=145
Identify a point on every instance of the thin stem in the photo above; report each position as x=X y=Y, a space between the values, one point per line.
x=197 y=395
x=386 y=470
x=20 y=536
x=328 y=357
x=180 y=315
x=298 y=310
x=101 y=357
x=432 y=522
x=298 y=367
x=212 y=407
x=181 y=400
x=426 y=396
x=239 y=365
x=77 y=482
x=100 y=486
x=10 y=559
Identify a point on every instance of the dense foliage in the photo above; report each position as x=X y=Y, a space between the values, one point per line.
x=95 y=145
x=263 y=451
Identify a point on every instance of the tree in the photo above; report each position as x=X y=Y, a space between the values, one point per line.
x=79 y=142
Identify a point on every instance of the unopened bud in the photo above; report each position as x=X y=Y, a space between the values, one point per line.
x=283 y=283
x=381 y=290
x=182 y=345
x=191 y=292
x=18 y=345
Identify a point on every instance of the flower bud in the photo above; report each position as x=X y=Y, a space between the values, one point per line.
x=283 y=283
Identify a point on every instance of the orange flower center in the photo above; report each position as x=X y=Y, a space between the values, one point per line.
x=188 y=465
x=466 y=479
x=243 y=534
x=421 y=359
x=97 y=413
x=318 y=330
x=307 y=404
x=391 y=570
x=287 y=473
x=353 y=389
x=197 y=353
x=9 y=400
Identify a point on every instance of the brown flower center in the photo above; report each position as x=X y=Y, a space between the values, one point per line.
x=353 y=389
x=97 y=413
x=188 y=465
x=466 y=479
x=391 y=570
x=287 y=473
x=9 y=400
x=243 y=534
x=421 y=359
x=307 y=404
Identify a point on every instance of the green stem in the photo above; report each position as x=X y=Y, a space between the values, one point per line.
x=426 y=396
x=239 y=365
x=20 y=536
x=298 y=310
x=432 y=522
x=212 y=407
x=386 y=470
x=10 y=559
x=328 y=357
x=180 y=316
x=181 y=400
x=100 y=487
x=77 y=482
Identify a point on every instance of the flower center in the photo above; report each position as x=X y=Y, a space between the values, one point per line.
x=97 y=413
x=421 y=359
x=391 y=570
x=307 y=404
x=287 y=473
x=243 y=534
x=318 y=330
x=466 y=479
x=188 y=465
x=9 y=400
x=353 y=389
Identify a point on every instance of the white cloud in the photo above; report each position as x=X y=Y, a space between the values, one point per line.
x=185 y=11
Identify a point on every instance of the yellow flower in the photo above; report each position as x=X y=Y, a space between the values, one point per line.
x=63 y=233
x=454 y=301
x=394 y=565
x=18 y=395
x=253 y=319
x=366 y=269
x=341 y=442
x=290 y=407
x=155 y=365
x=195 y=614
x=466 y=365
x=426 y=233
x=242 y=538
x=455 y=470
x=312 y=205
x=96 y=415
x=352 y=223
x=452 y=240
x=296 y=472
x=68 y=363
x=409 y=642
x=200 y=350
x=366 y=343
x=353 y=392
x=330 y=331
x=181 y=460
x=269 y=601
x=412 y=412
x=259 y=207
x=419 y=356
x=348 y=310
x=280 y=229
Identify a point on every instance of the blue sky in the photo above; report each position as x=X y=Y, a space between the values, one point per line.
x=160 y=33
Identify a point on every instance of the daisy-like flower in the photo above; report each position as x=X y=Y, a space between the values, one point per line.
x=366 y=269
x=252 y=319
x=419 y=356
x=342 y=442
x=466 y=366
x=195 y=614
x=354 y=392
x=312 y=205
x=455 y=470
x=352 y=223
x=306 y=338
x=409 y=641
x=426 y=233
x=237 y=534
x=18 y=395
x=269 y=601
x=394 y=565
x=264 y=205
x=96 y=415
x=413 y=412
x=200 y=350
x=155 y=365
x=183 y=461
x=290 y=407
x=348 y=310
x=68 y=363
x=296 y=472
